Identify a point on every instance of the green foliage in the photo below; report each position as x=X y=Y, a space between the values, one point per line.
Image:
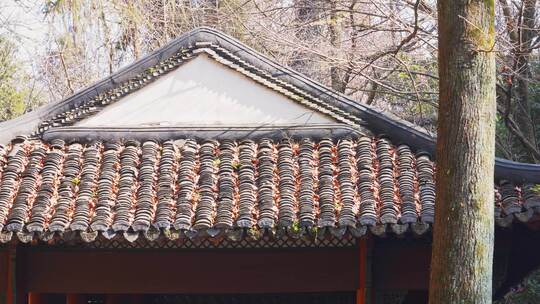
x=75 y=181
x=15 y=98
x=534 y=95
x=415 y=85
x=528 y=292
x=295 y=228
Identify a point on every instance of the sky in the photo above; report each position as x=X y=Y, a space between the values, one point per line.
x=23 y=22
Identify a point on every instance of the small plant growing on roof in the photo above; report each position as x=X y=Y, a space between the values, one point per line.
x=236 y=165
x=254 y=232
x=295 y=227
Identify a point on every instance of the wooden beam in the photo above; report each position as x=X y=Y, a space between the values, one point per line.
x=260 y=271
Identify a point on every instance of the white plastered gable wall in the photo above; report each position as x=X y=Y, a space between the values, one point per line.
x=204 y=92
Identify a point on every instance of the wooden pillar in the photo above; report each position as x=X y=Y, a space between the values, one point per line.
x=363 y=293
x=4 y=274
x=19 y=276
x=75 y=298
x=36 y=298
x=16 y=292
x=11 y=297
x=137 y=299
x=113 y=299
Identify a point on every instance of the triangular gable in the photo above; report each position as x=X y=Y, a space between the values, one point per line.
x=205 y=92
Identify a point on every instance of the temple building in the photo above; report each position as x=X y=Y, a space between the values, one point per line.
x=207 y=173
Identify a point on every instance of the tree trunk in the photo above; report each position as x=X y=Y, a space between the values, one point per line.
x=335 y=32
x=522 y=52
x=461 y=265
x=307 y=15
x=523 y=113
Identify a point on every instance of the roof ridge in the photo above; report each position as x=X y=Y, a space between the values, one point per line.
x=379 y=121
x=202 y=132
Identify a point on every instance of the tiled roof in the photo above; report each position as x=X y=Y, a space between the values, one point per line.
x=210 y=188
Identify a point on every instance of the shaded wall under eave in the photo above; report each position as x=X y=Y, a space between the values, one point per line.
x=401 y=266
x=400 y=270
x=518 y=249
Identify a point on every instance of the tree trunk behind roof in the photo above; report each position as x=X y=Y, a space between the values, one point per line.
x=307 y=16
x=523 y=115
x=461 y=266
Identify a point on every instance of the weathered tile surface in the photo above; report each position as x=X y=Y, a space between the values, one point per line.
x=211 y=188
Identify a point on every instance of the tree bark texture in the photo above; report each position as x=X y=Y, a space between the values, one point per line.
x=461 y=265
